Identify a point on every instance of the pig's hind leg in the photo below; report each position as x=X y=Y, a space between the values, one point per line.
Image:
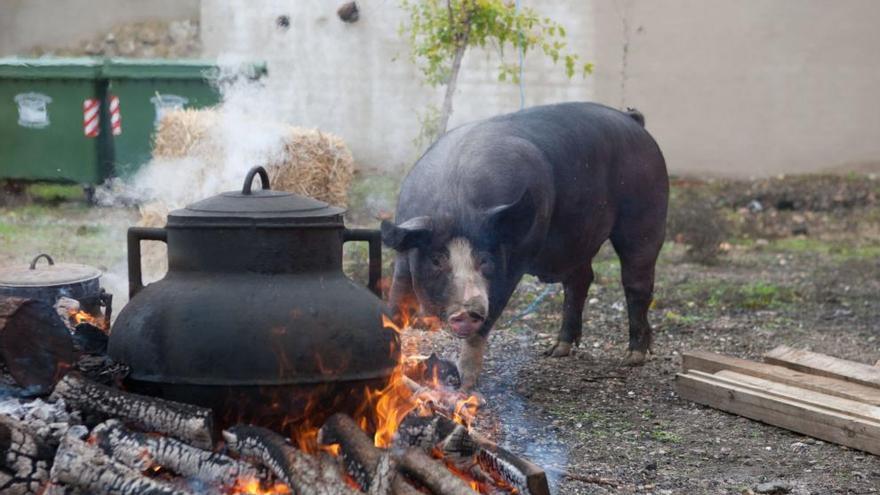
x=575 y=287
x=638 y=256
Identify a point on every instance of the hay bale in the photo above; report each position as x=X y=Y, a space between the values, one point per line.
x=313 y=163
x=186 y=133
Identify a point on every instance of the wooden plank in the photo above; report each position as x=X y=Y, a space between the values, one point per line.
x=797 y=394
x=824 y=365
x=712 y=363
x=820 y=423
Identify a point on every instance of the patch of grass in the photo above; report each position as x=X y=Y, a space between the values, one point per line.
x=837 y=251
x=717 y=294
x=680 y=319
x=55 y=192
x=763 y=295
x=8 y=229
x=664 y=436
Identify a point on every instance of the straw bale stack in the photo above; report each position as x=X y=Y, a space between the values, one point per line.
x=314 y=163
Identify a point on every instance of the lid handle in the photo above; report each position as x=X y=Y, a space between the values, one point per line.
x=249 y=179
x=42 y=255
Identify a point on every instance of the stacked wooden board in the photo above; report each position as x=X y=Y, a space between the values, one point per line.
x=814 y=394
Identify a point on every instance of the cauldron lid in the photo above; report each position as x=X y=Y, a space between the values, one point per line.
x=51 y=275
x=258 y=205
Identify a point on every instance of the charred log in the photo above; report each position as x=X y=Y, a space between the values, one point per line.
x=472 y=453
x=304 y=474
x=34 y=343
x=86 y=467
x=89 y=339
x=433 y=369
x=25 y=457
x=372 y=469
x=424 y=432
x=185 y=422
x=60 y=489
x=140 y=451
x=432 y=474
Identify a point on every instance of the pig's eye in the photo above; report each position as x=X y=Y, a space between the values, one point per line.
x=438 y=260
x=486 y=266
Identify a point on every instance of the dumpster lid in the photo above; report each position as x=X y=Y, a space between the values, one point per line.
x=49 y=68
x=131 y=68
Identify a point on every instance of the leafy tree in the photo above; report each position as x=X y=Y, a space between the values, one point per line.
x=441 y=31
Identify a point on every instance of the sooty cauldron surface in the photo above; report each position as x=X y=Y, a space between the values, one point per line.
x=255 y=311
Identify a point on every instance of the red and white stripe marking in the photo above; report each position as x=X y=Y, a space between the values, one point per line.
x=115 y=117
x=92 y=117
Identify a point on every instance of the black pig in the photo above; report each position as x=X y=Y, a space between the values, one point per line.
x=536 y=191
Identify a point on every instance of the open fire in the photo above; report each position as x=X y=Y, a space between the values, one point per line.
x=411 y=434
x=383 y=411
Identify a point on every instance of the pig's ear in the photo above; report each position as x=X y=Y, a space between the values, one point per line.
x=512 y=221
x=413 y=233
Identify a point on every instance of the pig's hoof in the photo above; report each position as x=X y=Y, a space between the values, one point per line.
x=633 y=358
x=559 y=349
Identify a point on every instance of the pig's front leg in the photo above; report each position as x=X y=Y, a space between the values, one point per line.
x=576 y=288
x=401 y=297
x=470 y=361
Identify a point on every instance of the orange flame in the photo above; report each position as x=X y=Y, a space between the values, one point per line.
x=253 y=486
x=80 y=316
x=383 y=409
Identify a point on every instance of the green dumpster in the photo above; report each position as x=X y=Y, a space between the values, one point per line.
x=48 y=118
x=144 y=90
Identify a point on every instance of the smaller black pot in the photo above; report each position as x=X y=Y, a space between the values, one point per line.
x=50 y=282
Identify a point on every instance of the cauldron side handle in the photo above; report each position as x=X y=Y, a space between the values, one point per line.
x=135 y=236
x=374 y=239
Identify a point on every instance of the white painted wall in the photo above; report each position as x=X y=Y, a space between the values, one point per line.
x=748 y=87
x=729 y=87
x=356 y=80
x=25 y=24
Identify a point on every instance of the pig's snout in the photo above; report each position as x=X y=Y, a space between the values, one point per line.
x=465 y=323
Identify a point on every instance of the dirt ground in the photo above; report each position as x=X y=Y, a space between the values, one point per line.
x=798 y=264
x=588 y=417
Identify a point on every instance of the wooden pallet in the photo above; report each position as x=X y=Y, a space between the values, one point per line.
x=817 y=395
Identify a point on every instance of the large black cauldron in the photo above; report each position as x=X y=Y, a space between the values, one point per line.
x=255 y=317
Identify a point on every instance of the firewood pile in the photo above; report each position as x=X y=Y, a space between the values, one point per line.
x=83 y=434
x=822 y=396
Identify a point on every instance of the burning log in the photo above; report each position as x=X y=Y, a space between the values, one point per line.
x=473 y=453
x=89 y=339
x=423 y=431
x=24 y=457
x=305 y=474
x=141 y=452
x=185 y=422
x=432 y=474
x=433 y=369
x=86 y=467
x=34 y=343
x=372 y=469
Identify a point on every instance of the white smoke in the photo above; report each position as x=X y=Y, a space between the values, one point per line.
x=249 y=130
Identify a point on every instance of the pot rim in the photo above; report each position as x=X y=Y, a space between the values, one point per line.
x=65 y=275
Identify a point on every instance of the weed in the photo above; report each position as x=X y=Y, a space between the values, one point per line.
x=696 y=220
